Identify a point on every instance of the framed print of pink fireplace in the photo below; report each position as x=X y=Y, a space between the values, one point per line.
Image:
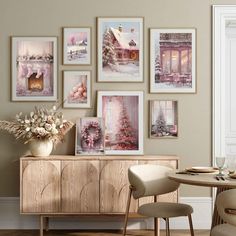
x=122 y=112
x=34 y=68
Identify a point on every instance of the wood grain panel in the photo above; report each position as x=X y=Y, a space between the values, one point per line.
x=40 y=186
x=114 y=186
x=169 y=197
x=80 y=186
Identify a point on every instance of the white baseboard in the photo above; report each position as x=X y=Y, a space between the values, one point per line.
x=10 y=218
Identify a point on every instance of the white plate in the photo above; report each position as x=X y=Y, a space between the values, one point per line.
x=202 y=169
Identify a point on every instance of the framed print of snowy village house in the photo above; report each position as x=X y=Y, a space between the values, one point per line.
x=163 y=119
x=77 y=46
x=172 y=61
x=34 y=68
x=122 y=112
x=120 y=49
x=89 y=138
x=77 y=89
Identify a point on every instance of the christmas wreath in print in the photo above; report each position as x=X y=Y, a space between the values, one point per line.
x=91 y=133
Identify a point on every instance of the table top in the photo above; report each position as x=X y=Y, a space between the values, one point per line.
x=203 y=179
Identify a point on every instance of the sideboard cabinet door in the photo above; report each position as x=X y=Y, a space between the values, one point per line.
x=80 y=186
x=40 y=186
x=114 y=186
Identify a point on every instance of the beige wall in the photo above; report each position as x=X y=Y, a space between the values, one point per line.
x=47 y=17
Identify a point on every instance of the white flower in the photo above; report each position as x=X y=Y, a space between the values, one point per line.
x=54 y=131
x=41 y=131
x=27 y=129
x=27 y=121
x=48 y=127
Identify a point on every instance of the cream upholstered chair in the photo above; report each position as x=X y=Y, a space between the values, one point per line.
x=152 y=180
x=226 y=207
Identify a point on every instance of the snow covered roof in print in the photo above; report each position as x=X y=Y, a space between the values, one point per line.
x=127 y=40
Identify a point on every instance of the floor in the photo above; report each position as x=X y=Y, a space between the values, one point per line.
x=98 y=233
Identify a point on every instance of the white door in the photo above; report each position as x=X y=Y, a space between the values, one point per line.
x=230 y=89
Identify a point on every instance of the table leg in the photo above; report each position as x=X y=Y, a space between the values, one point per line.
x=216 y=219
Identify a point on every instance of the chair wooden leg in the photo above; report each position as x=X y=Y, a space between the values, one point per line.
x=167 y=227
x=41 y=225
x=127 y=210
x=190 y=224
x=156 y=222
x=156 y=227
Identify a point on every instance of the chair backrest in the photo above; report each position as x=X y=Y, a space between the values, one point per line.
x=150 y=180
x=227 y=200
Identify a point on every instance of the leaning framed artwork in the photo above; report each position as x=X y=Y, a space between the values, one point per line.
x=89 y=138
x=77 y=46
x=120 y=49
x=34 y=68
x=122 y=112
x=172 y=60
x=77 y=89
x=163 y=119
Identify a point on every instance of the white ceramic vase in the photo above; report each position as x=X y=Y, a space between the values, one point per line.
x=41 y=148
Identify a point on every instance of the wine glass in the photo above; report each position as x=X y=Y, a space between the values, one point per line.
x=220 y=161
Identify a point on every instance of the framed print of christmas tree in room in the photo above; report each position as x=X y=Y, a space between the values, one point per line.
x=163 y=119
x=122 y=112
x=120 y=49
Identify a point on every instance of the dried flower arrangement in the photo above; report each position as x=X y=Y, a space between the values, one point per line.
x=40 y=124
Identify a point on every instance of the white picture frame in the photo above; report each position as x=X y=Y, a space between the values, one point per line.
x=173 y=60
x=120 y=49
x=34 y=68
x=77 y=46
x=121 y=109
x=77 y=89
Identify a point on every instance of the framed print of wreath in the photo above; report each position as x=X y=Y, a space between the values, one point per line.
x=89 y=136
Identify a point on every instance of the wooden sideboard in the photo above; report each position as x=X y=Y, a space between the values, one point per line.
x=87 y=185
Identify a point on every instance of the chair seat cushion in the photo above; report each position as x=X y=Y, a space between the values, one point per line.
x=165 y=209
x=223 y=230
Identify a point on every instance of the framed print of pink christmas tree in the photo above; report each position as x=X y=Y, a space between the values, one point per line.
x=120 y=49
x=34 y=68
x=122 y=112
x=77 y=89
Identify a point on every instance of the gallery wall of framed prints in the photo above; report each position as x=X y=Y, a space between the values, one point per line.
x=118 y=128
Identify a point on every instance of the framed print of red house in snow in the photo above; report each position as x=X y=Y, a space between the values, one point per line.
x=172 y=61
x=120 y=49
x=34 y=68
x=122 y=112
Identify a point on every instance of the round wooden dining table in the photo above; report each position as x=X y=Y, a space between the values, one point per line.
x=206 y=180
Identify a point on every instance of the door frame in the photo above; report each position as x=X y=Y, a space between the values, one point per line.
x=221 y=13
